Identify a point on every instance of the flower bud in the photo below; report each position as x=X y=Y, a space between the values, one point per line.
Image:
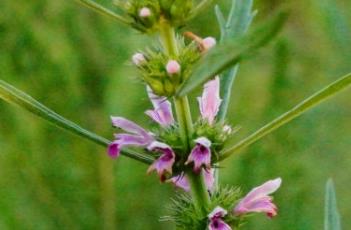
x=227 y=129
x=145 y=12
x=208 y=43
x=173 y=67
x=138 y=59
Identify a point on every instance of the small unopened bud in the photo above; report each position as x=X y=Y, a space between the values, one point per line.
x=173 y=67
x=144 y=12
x=227 y=129
x=208 y=43
x=138 y=59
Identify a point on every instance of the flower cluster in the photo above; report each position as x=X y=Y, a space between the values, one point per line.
x=199 y=158
x=146 y=15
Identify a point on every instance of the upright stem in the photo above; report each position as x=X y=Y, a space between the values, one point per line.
x=184 y=120
x=199 y=191
x=196 y=181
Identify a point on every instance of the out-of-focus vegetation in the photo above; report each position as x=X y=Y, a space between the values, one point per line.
x=77 y=62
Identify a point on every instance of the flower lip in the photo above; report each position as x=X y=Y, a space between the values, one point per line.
x=217 y=213
x=216 y=222
x=164 y=163
x=258 y=199
x=200 y=154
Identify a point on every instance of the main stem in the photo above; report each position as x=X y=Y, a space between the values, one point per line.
x=196 y=181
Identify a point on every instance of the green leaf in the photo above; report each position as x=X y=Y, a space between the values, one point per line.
x=102 y=10
x=332 y=216
x=16 y=97
x=240 y=18
x=230 y=53
x=317 y=98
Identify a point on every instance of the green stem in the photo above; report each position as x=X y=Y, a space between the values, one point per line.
x=168 y=38
x=184 y=120
x=199 y=191
x=197 y=183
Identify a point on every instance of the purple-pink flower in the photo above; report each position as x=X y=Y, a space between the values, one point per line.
x=182 y=182
x=162 y=113
x=216 y=222
x=136 y=136
x=210 y=100
x=200 y=154
x=258 y=199
x=163 y=165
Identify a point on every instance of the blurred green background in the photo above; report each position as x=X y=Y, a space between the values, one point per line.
x=77 y=62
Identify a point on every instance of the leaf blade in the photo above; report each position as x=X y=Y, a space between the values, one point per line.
x=332 y=216
x=317 y=98
x=102 y=10
x=214 y=62
x=17 y=97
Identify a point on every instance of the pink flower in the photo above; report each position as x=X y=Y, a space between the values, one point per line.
x=258 y=200
x=182 y=182
x=210 y=101
x=201 y=154
x=163 y=165
x=208 y=43
x=216 y=222
x=137 y=137
x=162 y=112
x=144 y=12
x=138 y=59
x=173 y=67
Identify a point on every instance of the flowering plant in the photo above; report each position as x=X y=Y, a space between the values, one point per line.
x=185 y=152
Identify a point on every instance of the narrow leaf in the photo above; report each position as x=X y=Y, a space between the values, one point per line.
x=240 y=18
x=230 y=53
x=102 y=10
x=332 y=216
x=299 y=109
x=14 y=96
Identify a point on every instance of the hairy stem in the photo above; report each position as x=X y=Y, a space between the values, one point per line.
x=196 y=181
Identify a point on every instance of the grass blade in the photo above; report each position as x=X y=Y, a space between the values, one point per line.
x=317 y=98
x=219 y=59
x=14 y=96
x=332 y=216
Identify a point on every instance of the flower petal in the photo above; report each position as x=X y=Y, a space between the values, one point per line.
x=218 y=224
x=162 y=112
x=114 y=149
x=131 y=127
x=181 y=181
x=258 y=200
x=201 y=154
x=164 y=163
x=210 y=100
x=265 y=189
x=218 y=212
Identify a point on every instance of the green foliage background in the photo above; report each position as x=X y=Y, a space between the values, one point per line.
x=77 y=62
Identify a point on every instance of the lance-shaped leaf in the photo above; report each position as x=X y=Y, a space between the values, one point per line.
x=104 y=11
x=14 y=96
x=332 y=216
x=298 y=110
x=230 y=53
x=239 y=19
